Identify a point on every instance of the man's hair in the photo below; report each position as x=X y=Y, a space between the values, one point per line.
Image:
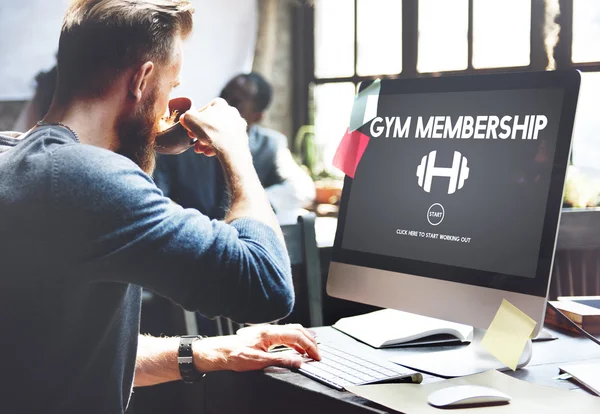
x=101 y=38
x=264 y=91
x=257 y=88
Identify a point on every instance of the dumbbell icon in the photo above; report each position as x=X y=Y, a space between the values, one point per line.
x=458 y=173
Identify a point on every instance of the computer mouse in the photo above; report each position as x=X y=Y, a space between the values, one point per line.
x=463 y=395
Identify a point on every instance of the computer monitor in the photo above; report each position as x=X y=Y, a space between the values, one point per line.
x=456 y=201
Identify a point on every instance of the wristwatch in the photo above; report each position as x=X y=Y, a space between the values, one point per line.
x=185 y=359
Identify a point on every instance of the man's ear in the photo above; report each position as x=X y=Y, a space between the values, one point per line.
x=139 y=80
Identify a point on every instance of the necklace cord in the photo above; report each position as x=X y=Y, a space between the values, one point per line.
x=42 y=123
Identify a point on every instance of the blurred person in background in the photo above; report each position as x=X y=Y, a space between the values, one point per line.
x=287 y=185
x=38 y=106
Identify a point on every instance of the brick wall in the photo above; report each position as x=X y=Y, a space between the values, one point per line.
x=272 y=58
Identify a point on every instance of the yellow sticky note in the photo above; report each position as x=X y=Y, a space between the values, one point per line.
x=508 y=333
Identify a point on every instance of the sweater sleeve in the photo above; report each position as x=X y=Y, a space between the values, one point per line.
x=119 y=227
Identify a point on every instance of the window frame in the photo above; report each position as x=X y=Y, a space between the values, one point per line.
x=303 y=48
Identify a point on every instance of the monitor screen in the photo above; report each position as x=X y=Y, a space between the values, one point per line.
x=461 y=182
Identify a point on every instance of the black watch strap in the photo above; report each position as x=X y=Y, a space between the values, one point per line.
x=185 y=359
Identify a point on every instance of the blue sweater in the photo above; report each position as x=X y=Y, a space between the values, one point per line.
x=81 y=230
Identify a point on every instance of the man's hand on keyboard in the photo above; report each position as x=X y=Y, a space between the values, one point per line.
x=249 y=349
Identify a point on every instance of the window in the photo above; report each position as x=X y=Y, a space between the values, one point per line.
x=585 y=55
x=332 y=107
x=586 y=146
x=379 y=37
x=356 y=40
x=334 y=29
x=586 y=31
x=501 y=33
x=443 y=31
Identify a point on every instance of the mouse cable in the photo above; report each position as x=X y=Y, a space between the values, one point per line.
x=577 y=327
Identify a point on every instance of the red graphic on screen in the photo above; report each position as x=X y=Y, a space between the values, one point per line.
x=350 y=151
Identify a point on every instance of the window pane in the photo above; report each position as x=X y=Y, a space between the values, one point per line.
x=443 y=27
x=501 y=33
x=332 y=106
x=586 y=136
x=334 y=38
x=586 y=31
x=379 y=37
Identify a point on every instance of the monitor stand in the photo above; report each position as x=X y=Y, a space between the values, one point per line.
x=465 y=360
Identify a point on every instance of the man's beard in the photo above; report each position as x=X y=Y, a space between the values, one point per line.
x=137 y=134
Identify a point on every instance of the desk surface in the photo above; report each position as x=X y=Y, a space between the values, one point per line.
x=279 y=390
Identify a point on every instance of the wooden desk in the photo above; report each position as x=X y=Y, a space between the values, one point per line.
x=279 y=390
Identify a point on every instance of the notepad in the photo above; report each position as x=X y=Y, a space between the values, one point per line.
x=582 y=312
x=587 y=375
x=593 y=301
x=392 y=328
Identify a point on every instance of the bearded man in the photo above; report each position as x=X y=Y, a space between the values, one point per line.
x=83 y=227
